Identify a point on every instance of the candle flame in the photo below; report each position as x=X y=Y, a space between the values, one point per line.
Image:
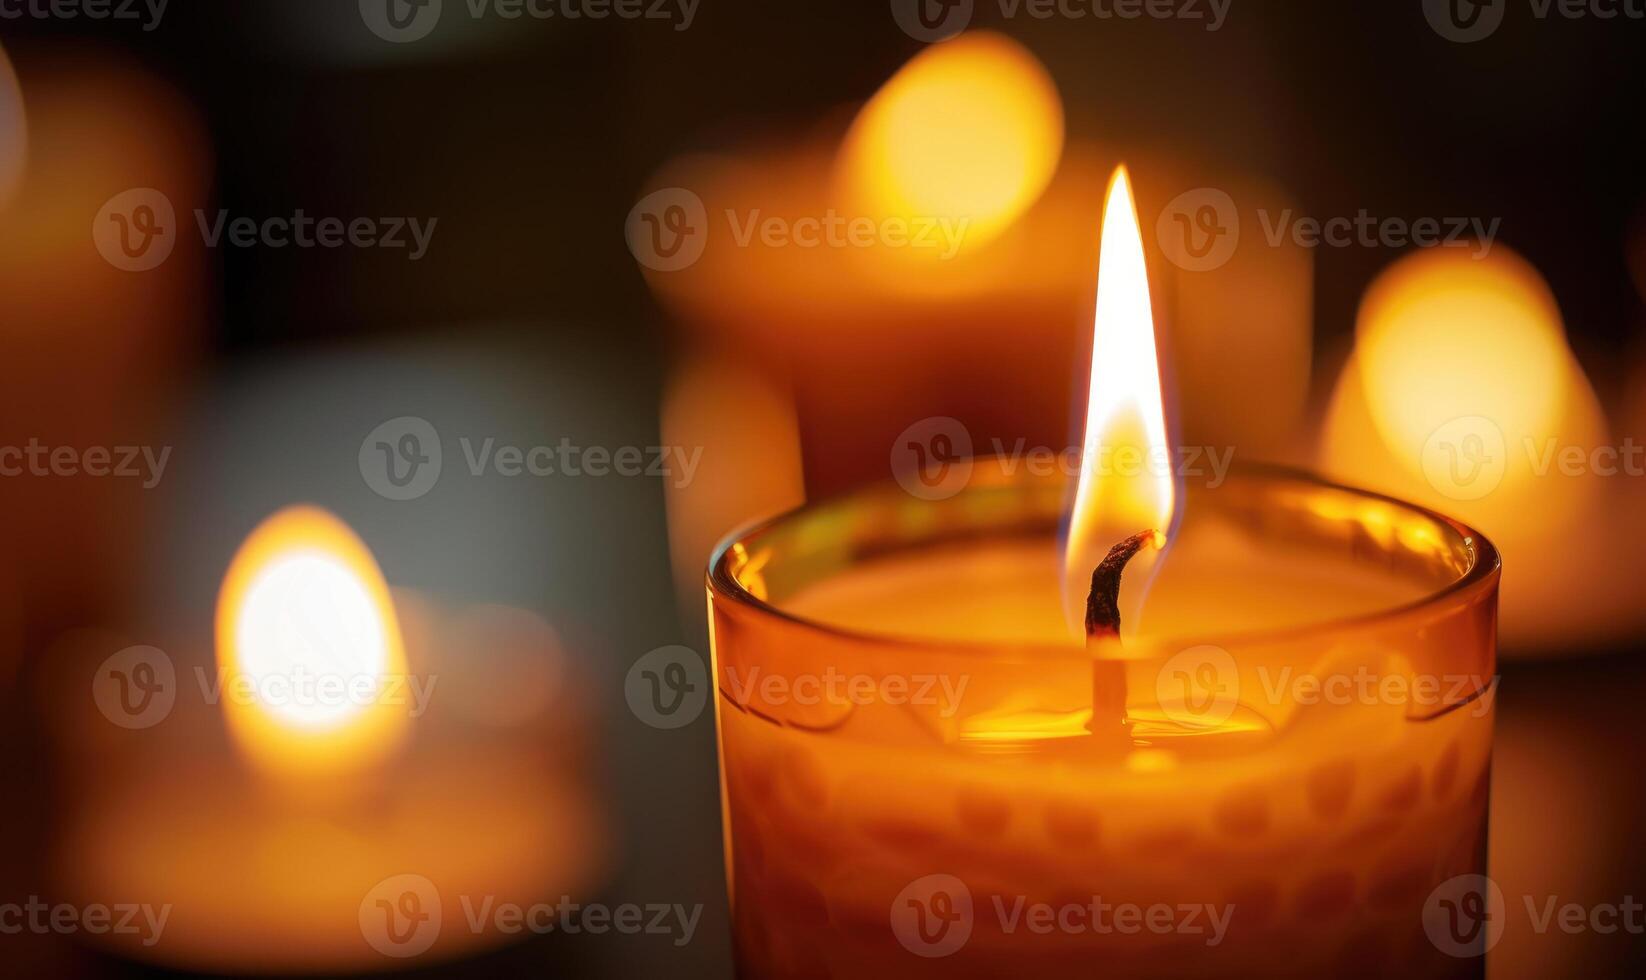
x=1126 y=475
x=307 y=640
x=969 y=131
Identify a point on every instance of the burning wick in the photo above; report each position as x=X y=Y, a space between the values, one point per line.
x=1103 y=635
x=1103 y=601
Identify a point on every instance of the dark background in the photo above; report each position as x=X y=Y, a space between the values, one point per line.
x=531 y=140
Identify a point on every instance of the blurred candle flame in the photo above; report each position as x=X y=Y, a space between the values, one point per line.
x=1441 y=336
x=1462 y=394
x=307 y=639
x=1126 y=483
x=969 y=131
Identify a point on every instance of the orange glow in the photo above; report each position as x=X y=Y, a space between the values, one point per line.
x=751 y=469
x=970 y=130
x=13 y=131
x=1460 y=394
x=1007 y=784
x=1442 y=335
x=1126 y=483
x=309 y=653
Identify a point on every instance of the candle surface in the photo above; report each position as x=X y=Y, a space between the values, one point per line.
x=1010 y=592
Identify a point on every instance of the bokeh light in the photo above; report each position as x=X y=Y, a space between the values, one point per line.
x=970 y=130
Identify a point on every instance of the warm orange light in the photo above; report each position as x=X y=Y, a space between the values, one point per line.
x=1126 y=474
x=1462 y=394
x=309 y=655
x=750 y=432
x=13 y=131
x=969 y=131
x=1444 y=335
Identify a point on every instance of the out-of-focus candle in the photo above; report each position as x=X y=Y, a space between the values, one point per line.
x=959 y=267
x=1462 y=394
x=874 y=319
x=96 y=354
x=969 y=133
x=303 y=601
x=353 y=786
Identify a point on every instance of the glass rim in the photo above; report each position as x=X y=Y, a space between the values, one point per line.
x=1484 y=571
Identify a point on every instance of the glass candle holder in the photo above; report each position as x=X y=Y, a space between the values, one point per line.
x=921 y=774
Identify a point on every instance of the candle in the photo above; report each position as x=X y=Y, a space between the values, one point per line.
x=355 y=791
x=1274 y=766
x=1461 y=394
x=964 y=149
x=98 y=354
